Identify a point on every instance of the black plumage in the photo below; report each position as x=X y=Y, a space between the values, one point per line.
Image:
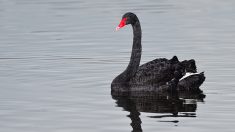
x=162 y=73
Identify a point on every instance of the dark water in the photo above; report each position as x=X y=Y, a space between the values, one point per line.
x=58 y=58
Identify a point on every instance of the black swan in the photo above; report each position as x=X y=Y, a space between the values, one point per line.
x=163 y=73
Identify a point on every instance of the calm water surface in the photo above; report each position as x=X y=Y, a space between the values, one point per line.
x=58 y=58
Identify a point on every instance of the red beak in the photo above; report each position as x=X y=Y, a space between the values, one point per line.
x=122 y=24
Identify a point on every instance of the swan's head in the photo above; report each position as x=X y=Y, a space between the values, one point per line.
x=127 y=18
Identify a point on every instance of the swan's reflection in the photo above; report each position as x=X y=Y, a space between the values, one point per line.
x=166 y=104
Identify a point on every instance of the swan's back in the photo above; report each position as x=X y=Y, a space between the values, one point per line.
x=158 y=71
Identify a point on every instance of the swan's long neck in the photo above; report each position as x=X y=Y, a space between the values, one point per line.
x=136 y=50
x=134 y=63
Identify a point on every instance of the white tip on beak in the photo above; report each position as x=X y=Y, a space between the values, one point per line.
x=117 y=28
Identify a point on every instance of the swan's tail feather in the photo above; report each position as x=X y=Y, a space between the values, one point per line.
x=190 y=65
x=174 y=59
x=192 y=82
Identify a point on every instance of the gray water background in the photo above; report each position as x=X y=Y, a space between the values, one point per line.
x=58 y=58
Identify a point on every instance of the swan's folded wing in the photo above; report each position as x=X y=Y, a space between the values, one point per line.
x=156 y=71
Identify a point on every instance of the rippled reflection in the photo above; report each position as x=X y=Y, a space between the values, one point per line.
x=165 y=103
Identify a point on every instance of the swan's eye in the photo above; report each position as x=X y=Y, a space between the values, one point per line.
x=122 y=23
